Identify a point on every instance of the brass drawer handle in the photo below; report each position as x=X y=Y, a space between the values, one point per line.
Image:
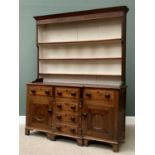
x=33 y=92
x=73 y=94
x=72 y=119
x=73 y=107
x=47 y=92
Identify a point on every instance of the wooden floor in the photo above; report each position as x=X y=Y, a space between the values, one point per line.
x=38 y=144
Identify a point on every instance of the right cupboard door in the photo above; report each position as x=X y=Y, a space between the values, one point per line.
x=97 y=121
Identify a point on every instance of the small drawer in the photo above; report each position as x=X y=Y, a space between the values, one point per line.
x=67 y=92
x=40 y=90
x=68 y=117
x=40 y=100
x=66 y=106
x=99 y=94
x=66 y=129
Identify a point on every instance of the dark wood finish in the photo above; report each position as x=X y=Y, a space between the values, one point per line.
x=67 y=92
x=105 y=13
x=81 y=111
x=115 y=147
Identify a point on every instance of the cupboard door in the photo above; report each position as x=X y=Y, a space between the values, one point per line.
x=40 y=112
x=98 y=121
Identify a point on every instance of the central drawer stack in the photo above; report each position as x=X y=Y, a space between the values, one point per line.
x=67 y=111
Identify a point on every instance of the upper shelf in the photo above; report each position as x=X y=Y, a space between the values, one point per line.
x=116 y=58
x=80 y=42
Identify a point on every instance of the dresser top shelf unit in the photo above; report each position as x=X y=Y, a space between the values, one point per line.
x=86 y=44
x=80 y=90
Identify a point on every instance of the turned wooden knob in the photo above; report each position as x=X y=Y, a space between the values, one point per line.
x=72 y=119
x=107 y=96
x=33 y=92
x=59 y=116
x=72 y=130
x=73 y=107
x=59 y=93
x=58 y=127
x=47 y=92
x=88 y=94
x=85 y=114
x=59 y=106
x=73 y=94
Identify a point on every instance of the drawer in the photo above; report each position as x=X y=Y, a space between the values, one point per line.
x=40 y=100
x=69 y=117
x=40 y=90
x=98 y=104
x=66 y=129
x=66 y=106
x=67 y=92
x=99 y=94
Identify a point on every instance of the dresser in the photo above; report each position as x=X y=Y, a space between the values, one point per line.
x=80 y=89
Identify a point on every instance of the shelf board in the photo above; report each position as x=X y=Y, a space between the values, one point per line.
x=49 y=59
x=81 y=42
x=49 y=74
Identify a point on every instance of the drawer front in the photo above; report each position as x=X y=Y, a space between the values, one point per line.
x=66 y=106
x=99 y=94
x=67 y=92
x=40 y=100
x=98 y=104
x=40 y=90
x=69 y=117
x=66 y=129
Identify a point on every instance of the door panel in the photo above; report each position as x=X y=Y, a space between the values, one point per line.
x=98 y=121
x=41 y=111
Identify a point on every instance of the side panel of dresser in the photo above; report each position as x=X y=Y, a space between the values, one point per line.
x=39 y=108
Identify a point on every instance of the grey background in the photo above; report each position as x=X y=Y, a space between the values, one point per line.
x=27 y=48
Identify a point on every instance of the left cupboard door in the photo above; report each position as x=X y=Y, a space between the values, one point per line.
x=39 y=112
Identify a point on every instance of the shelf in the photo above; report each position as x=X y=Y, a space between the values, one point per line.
x=49 y=74
x=80 y=42
x=80 y=59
